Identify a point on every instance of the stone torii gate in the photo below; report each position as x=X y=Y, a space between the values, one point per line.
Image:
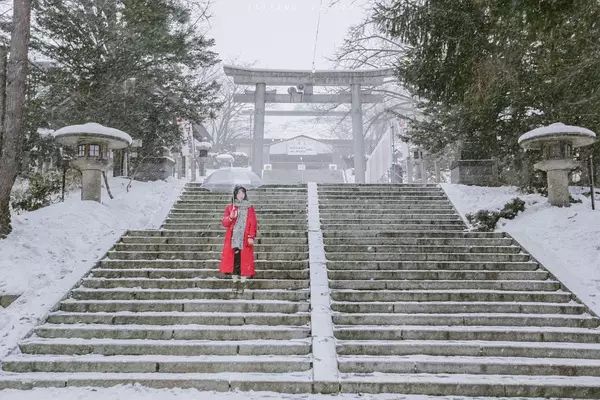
x=301 y=91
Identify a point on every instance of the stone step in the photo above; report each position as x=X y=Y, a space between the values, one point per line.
x=415 y=241
x=259 y=255
x=201 y=283
x=548 y=285
x=362 y=275
x=216 y=225
x=347 y=198
x=187 y=332
x=265 y=219
x=470 y=365
x=395 y=219
x=480 y=319
x=211 y=240
x=469 y=348
x=218 y=211
x=368 y=214
x=136 y=306
x=398 y=217
x=389 y=233
x=191 y=294
x=156 y=273
x=420 y=256
x=487 y=333
x=167 y=364
x=426 y=265
x=401 y=248
x=451 y=295
x=180 y=318
x=390 y=205
x=210 y=233
x=473 y=385
x=396 y=227
x=111 y=347
x=449 y=307
x=201 y=247
x=287 y=265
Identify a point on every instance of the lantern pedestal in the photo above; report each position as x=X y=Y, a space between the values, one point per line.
x=91 y=178
x=557 y=175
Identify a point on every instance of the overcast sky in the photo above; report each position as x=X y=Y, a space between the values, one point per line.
x=281 y=33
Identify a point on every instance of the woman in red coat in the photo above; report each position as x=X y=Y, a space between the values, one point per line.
x=240 y=221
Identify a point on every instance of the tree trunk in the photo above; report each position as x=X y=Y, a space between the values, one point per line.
x=15 y=102
x=3 y=60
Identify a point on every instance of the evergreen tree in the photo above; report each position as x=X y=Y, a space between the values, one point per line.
x=489 y=70
x=135 y=65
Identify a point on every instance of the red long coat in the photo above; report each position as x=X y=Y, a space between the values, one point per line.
x=247 y=256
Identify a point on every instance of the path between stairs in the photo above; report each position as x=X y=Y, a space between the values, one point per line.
x=360 y=288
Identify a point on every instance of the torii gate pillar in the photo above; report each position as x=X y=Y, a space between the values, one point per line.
x=259 y=128
x=357 y=135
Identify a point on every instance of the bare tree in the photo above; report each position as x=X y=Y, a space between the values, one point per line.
x=228 y=126
x=12 y=132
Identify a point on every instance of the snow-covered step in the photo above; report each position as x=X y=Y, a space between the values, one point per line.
x=438 y=284
x=150 y=363
x=179 y=318
x=201 y=283
x=429 y=265
x=172 y=294
x=387 y=233
x=37 y=345
x=470 y=365
x=446 y=307
x=413 y=275
x=469 y=348
x=170 y=247
x=489 y=385
x=273 y=264
x=498 y=333
x=473 y=319
x=191 y=273
x=205 y=305
x=396 y=226
x=420 y=241
x=437 y=256
x=184 y=332
x=198 y=255
x=402 y=248
x=202 y=233
x=218 y=240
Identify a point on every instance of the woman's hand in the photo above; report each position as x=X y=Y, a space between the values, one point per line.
x=233 y=213
x=251 y=241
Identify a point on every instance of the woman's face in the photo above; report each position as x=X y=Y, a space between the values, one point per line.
x=241 y=195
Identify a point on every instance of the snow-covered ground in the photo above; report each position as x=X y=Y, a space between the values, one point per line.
x=51 y=249
x=565 y=240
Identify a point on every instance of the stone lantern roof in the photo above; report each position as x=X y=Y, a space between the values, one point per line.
x=71 y=135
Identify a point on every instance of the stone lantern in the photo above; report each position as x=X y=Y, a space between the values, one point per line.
x=556 y=142
x=203 y=149
x=93 y=144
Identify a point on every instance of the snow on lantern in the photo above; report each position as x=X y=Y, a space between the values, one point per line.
x=93 y=143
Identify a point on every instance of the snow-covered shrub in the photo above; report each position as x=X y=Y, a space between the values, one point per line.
x=485 y=220
x=39 y=193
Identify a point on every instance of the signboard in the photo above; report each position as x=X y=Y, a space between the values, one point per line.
x=301 y=147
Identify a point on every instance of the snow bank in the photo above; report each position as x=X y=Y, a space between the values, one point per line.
x=50 y=249
x=565 y=240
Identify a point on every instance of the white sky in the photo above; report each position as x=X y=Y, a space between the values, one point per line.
x=281 y=33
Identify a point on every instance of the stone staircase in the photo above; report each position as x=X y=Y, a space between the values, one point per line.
x=155 y=310
x=421 y=306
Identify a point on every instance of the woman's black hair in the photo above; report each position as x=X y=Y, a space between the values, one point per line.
x=237 y=189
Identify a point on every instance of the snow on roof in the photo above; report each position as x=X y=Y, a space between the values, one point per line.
x=69 y=134
x=578 y=135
